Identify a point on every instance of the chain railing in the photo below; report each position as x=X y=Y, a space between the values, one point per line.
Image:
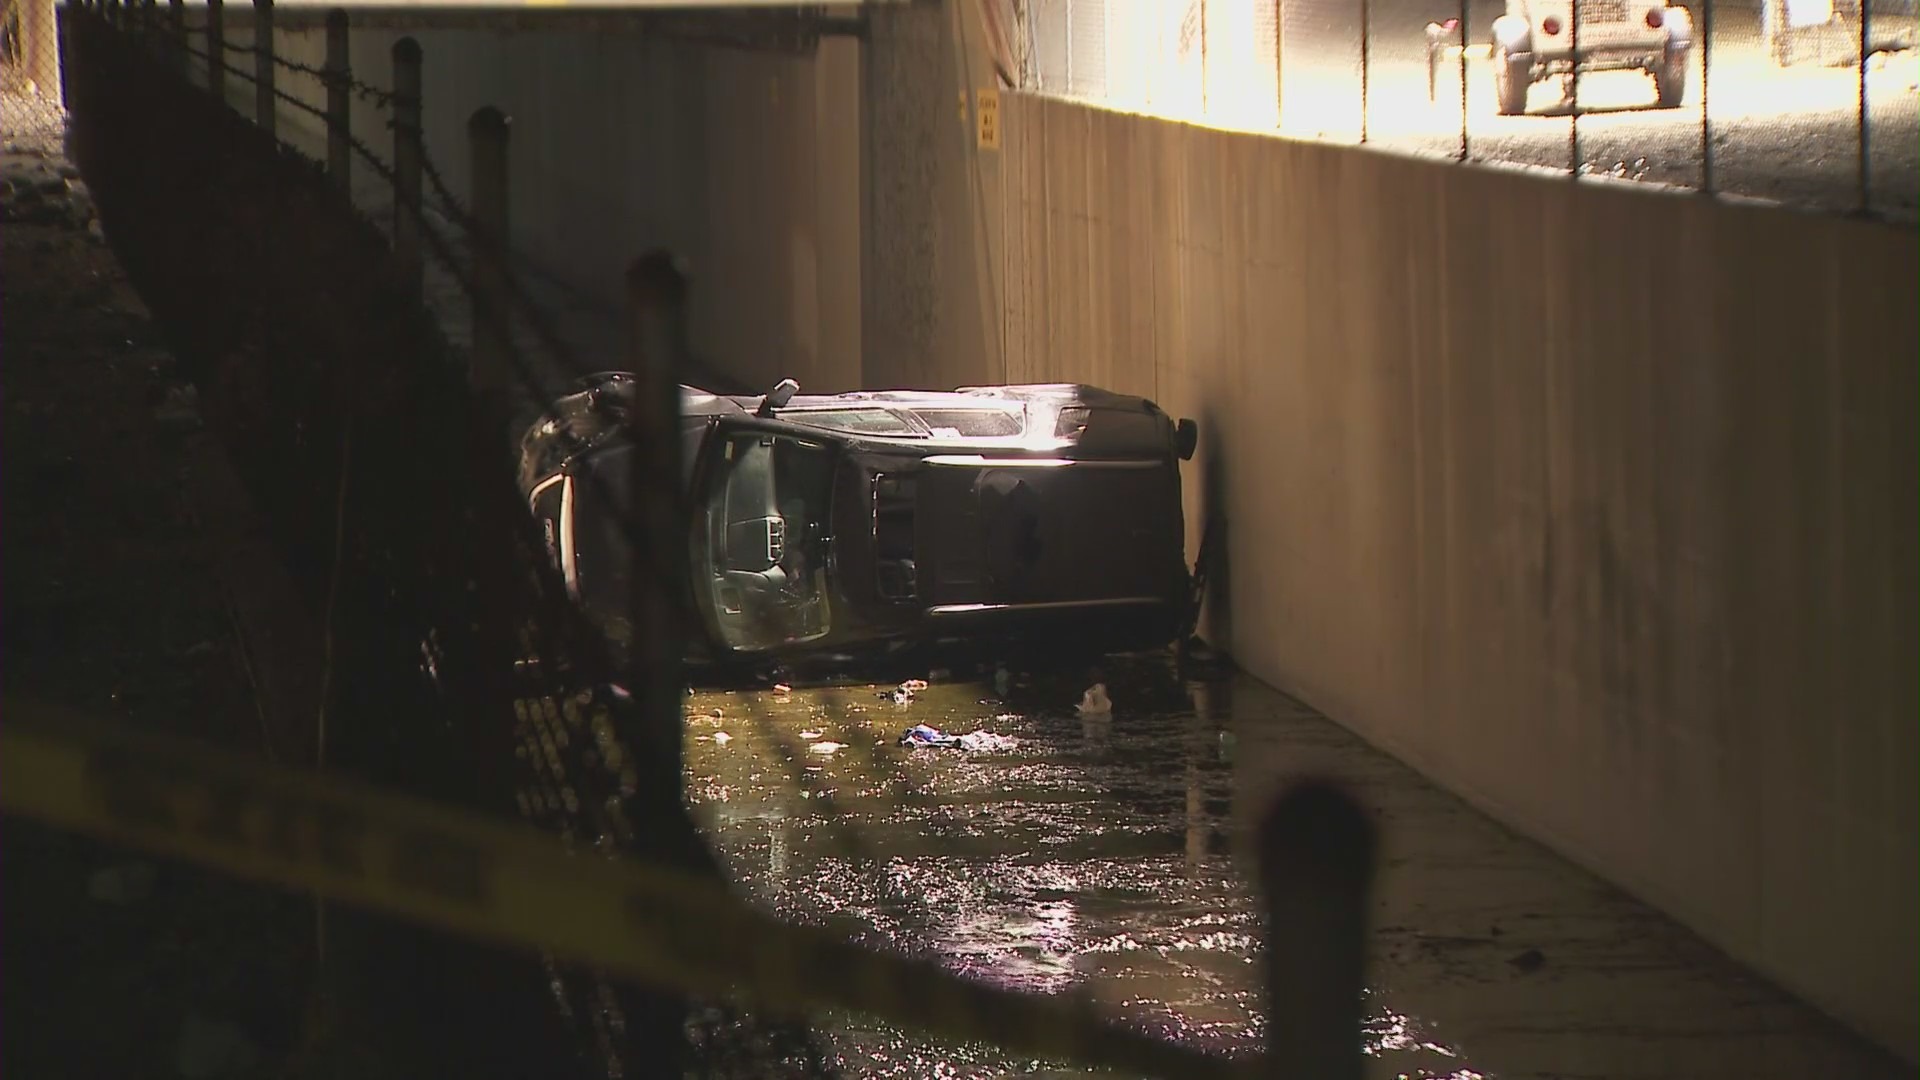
x=1812 y=103
x=580 y=745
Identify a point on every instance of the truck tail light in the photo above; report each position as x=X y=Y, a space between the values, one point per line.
x=1655 y=18
x=1550 y=25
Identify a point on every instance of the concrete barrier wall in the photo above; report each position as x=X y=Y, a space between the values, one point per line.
x=1596 y=505
x=746 y=163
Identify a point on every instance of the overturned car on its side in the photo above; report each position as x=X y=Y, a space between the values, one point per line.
x=832 y=531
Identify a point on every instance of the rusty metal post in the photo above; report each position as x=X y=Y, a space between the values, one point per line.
x=657 y=295
x=1317 y=851
x=217 y=51
x=339 y=102
x=407 y=158
x=1366 y=64
x=263 y=97
x=1573 y=93
x=1866 y=116
x=1462 y=27
x=492 y=322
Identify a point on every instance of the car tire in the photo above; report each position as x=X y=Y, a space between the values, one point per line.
x=1512 y=78
x=1670 y=79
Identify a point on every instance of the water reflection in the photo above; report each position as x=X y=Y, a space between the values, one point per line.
x=1093 y=856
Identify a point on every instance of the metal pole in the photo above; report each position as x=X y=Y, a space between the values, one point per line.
x=656 y=294
x=1866 y=157
x=1365 y=65
x=487 y=140
x=1706 y=88
x=339 y=101
x=1279 y=63
x=1316 y=869
x=263 y=99
x=407 y=158
x=1573 y=92
x=1463 y=79
x=216 y=51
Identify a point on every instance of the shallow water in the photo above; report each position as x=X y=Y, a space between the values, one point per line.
x=1096 y=854
x=1111 y=856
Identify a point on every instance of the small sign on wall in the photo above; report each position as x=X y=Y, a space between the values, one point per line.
x=988 y=110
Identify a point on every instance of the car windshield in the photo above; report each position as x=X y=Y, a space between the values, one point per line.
x=766 y=532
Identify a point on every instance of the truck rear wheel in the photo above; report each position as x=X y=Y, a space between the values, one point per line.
x=1512 y=77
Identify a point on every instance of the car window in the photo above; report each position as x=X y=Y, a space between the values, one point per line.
x=768 y=510
x=970 y=423
x=855 y=421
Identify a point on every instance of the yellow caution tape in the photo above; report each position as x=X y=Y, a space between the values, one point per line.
x=516 y=886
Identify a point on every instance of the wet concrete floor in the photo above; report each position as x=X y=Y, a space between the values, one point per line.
x=1111 y=855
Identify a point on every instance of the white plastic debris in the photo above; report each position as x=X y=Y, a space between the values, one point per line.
x=1095 y=701
x=722 y=738
x=826 y=747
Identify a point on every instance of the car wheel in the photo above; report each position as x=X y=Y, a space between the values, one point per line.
x=1512 y=77
x=1670 y=79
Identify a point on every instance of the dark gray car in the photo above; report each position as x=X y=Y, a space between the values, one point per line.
x=837 y=528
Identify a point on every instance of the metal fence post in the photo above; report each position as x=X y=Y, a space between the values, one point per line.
x=657 y=295
x=1462 y=17
x=217 y=51
x=1316 y=870
x=1573 y=93
x=263 y=101
x=1866 y=158
x=492 y=323
x=1706 y=91
x=339 y=101
x=1366 y=62
x=408 y=154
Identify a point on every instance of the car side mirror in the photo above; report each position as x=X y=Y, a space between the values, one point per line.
x=781 y=394
x=1186 y=439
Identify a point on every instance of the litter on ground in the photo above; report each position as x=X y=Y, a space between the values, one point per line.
x=921 y=735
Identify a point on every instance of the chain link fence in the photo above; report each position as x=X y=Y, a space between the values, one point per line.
x=30 y=48
x=1760 y=98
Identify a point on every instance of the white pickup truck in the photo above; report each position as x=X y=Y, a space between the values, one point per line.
x=1538 y=39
